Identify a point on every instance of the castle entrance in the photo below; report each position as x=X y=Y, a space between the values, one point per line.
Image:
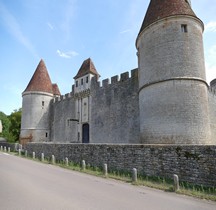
x=85 y=133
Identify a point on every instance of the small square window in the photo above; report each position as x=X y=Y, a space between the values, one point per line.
x=184 y=28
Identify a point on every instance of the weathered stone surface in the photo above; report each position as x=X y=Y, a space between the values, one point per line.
x=194 y=164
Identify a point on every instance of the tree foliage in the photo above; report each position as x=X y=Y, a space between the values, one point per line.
x=5 y=124
x=11 y=125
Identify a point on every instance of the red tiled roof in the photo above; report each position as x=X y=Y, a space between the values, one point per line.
x=40 y=80
x=86 y=68
x=159 y=9
x=56 y=91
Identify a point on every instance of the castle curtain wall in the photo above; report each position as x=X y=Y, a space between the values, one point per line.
x=63 y=112
x=212 y=110
x=115 y=110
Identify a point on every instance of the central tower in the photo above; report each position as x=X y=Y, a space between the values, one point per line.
x=173 y=96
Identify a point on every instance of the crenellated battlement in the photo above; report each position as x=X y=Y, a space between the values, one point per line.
x=70 y=95
x=212 y=90
x=115 y=80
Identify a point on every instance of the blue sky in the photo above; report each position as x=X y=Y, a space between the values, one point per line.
x=66 y=32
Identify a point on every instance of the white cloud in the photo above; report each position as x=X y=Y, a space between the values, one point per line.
x=125 y=31
x=211 y=26
x=68 y=54
x=50 y=26
x=211 y=63
x=68 y=17
x=14 y=29
x=210 y=72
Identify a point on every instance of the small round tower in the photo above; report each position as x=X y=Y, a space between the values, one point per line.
x=35 y=122
x=172 y=83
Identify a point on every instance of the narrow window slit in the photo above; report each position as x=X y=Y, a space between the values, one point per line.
x=184 y=28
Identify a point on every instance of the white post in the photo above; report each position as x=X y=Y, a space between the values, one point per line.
x=42 y=157
x=33 y=155
x=1 y=148
x=53 y=159
x=105 y=170
x=66 y=161
x=8 y=149
x=176 y=182
x=134 y=175
x=5 y=149
x=19 y=151
x=83 y=165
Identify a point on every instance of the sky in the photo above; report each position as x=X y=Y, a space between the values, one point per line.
x=66 y=32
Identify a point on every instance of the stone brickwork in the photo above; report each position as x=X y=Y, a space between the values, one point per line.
x=194 y=164
x=115 y=110
x=173 y=93
x=62 y=110
x=212 y=111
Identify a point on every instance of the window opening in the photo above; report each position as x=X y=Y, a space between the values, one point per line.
x=46 y=134
x=86 y=79
x=76 y=83
x=184 y=28
x=81 y=81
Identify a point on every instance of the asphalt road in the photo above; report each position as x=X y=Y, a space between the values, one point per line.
x=29 y=185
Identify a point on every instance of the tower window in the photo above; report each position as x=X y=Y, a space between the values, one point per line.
x=46 y=134
x=76 y=83
x=81 y=81
x=42 y=103
x=184 y=28
x=87 y=80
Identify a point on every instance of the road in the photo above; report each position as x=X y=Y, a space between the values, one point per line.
x=30 y=185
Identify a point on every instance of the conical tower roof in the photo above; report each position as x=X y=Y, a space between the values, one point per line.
x=86 y=68
x=40 y=80
x=56 y=90
x=159 y=9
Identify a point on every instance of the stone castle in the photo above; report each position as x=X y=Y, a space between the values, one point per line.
x=165 y=101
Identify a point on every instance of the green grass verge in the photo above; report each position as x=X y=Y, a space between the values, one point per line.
x=201 y=192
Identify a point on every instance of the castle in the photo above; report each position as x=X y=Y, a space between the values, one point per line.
x=165 y=101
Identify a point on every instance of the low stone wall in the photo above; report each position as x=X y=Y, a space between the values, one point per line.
x=13 y=147
x=194 y=164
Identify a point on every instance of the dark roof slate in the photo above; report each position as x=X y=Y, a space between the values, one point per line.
x=86 y=68
x=40 y=80
x=159 y=9
x=56 y=90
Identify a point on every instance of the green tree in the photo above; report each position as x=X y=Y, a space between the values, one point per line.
x=11 y=125
x=5 y=124
x=15 y=125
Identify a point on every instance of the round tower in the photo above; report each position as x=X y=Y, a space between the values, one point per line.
x=35 y=123
x=173 y=96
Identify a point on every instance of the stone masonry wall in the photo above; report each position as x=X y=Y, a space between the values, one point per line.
x=194 y=164
x=115 y=110
x=212 y=110
x=62 y=129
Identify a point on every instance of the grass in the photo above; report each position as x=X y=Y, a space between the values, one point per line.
x=201 y=192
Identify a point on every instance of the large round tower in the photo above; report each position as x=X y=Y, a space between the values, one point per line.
x=35 y=123
x=172 y=83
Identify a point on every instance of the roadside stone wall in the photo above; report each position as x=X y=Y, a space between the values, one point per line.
x=194 y=164
x=13 y=147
